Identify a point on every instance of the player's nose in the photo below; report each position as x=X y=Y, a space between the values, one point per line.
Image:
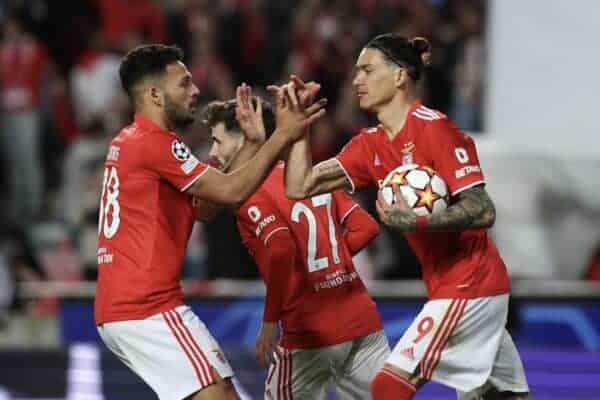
x=195 y=92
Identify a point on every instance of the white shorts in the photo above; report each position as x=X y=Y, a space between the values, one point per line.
x=307 y=373
x=462 y=343
x=173 y=352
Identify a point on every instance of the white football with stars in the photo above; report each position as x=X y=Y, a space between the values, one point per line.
x=423 y=189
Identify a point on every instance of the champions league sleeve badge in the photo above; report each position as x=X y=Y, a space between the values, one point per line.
x=180 y=151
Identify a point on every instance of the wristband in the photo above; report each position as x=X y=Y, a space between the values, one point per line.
x=421 y=223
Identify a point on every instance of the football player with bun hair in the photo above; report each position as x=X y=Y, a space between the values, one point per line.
x=459 y=337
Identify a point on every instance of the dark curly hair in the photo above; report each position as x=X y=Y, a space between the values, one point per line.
x=146 y=60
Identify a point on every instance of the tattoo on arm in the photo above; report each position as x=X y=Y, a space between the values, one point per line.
x=403 y=221
x=329 y=169
x=327 y=176
x=473 y=210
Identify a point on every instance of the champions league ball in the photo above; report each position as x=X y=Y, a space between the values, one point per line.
x=423 y=189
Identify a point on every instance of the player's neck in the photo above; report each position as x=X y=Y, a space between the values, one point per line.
x=155 y=117
x=393 y=115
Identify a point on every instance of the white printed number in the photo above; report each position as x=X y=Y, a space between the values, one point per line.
x=314 y=263
x=461 y=155
x=110 y=187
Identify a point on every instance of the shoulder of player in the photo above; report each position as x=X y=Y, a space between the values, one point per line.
x=427 y=115
x=260 y=196
x=368 y=131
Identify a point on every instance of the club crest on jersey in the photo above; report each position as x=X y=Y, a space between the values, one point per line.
x=180 y=151
x=407 y=155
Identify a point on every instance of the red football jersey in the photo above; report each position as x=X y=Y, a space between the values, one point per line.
x=463 y=264
x=324 y=302
x=145 y=222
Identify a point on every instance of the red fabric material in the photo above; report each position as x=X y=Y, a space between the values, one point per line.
x=361 y=228
x=146 y=221
x=594 y=269
x=281 y=253
x=421 y=223
x=324 y=301
x=388 y=386
x=23 y=64
x=120 y=17
x=460 y=264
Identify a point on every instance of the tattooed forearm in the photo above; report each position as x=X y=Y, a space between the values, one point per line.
x=326 y=176
x=329 y=169
x=473 y=210
x=401 y=221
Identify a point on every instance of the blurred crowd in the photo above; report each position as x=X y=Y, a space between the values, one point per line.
x=61 y=102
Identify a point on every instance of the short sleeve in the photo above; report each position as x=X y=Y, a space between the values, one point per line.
x=351 y=159
x=454 y=156
x=258 y=219
x=173 y=161
x=344 y=205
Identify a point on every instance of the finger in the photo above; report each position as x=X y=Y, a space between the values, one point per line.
x=297 y=81
x=272 y=88
x=380 y=198
x=291 y=93
x=315 y=117
x=258 y=109
x=248 y=97
x=380 y=205
x=310 y=92
x=277 y=92
x=238 y=96
x=398 y=196
x=243 y=95
x=316 y=106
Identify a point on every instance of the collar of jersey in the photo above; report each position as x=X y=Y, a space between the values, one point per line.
x=147 y=125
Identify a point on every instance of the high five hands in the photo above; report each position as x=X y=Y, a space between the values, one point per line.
x=295 y=100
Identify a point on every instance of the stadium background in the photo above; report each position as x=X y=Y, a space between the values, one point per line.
x=519 y=76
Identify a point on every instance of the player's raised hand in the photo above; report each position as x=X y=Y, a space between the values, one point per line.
x=248 y=113
x=306 y=91
x=397 y=215
x=266 y=343
x=292 y=119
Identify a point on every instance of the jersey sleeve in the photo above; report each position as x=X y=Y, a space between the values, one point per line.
x=173 y=161
x=259 y=222
x=454 y=156
x=359 y=227
x=351 y=159
x=258 y=219
x=344 y=205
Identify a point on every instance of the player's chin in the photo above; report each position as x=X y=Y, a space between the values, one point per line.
x=186 y=120
x=364 y=103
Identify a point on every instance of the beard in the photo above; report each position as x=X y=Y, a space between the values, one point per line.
x=177 y=115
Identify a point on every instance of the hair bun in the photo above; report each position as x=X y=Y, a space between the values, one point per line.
x=422 y=47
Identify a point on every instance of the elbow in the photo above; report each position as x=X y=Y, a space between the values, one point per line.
x=375 y=231
x=294 y=194
x=231 y=196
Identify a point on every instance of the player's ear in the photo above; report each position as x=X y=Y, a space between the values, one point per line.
x=401 y=77
x=156 y=96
